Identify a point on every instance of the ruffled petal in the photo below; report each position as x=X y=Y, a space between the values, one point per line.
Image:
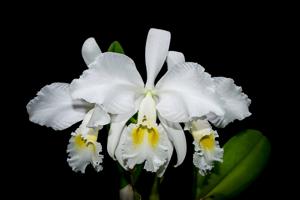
x=53 y=107
x=186 y=92
x=232 y=100
x=157 y=47
x=112 y=81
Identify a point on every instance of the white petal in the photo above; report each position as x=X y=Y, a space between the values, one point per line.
x=174 y=58
x=233 y=101
x=177 y=137
x=98 y=118
x=54 y=107
x=112 y=81
x=116 y=128
x=119 y=148
x=186 y=92
x=157 y=47
x=82 y=152
x=90 y=51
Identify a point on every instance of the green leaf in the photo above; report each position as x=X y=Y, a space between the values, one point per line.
x=116 y=47
x=245 y=156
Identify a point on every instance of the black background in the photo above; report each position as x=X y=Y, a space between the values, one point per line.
x=241 y=43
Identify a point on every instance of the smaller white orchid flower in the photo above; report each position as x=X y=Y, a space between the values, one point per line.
x=54 y=107
x=207 y=148
x=83 y=147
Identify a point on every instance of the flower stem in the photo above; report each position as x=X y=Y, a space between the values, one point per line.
x=155 y=189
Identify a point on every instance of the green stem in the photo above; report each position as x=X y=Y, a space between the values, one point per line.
x=155 y=189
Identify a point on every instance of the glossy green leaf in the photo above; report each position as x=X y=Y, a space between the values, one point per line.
x=245 y=156
x=116 y=47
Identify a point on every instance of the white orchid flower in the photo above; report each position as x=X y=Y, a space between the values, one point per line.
x=233 y=102
x=54 y=107
x=184 y=93
x=207 y=148
x=115 y=83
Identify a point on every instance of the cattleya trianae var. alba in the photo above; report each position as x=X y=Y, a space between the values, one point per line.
x=111 y=91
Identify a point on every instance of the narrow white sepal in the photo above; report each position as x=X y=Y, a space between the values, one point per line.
x=157 y=47
x=174 y=58
x=90 y=51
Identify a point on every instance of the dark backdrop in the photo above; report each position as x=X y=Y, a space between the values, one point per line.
x=237 y=44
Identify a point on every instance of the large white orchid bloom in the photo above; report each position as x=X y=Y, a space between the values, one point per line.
x=184 y=93
x=54 y=107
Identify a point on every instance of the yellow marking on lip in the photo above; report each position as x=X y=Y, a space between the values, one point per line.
x=207 y=142
x=153 y=137
x=139 y=133
x=81 y=143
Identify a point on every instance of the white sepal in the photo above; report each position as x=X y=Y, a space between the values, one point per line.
x=174 y=58
x=90 y=51
x=157 y=47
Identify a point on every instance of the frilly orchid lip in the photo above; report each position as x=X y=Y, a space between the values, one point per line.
x=83 y=148
x=207 y=148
